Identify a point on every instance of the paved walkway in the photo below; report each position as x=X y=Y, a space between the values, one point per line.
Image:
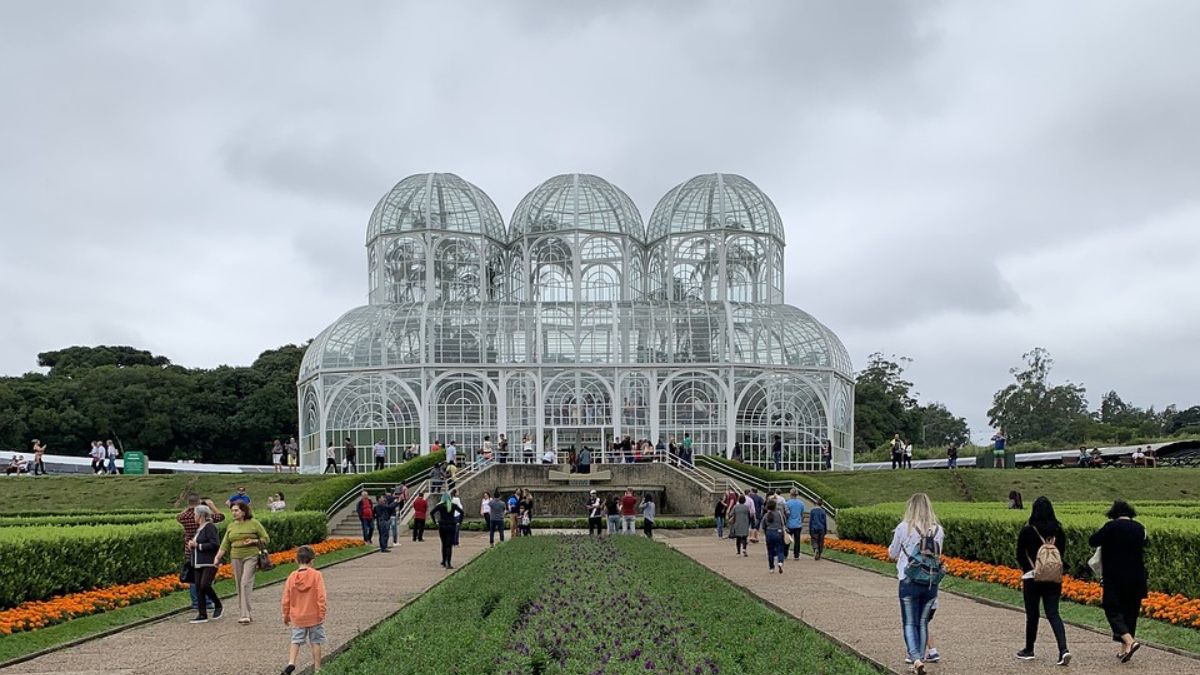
x=860 y=609
x=361 y=593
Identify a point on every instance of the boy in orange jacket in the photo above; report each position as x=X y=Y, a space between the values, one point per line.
x=304 y=609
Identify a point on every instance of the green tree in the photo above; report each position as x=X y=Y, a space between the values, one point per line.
x=1031 y=409
x=940 y=427
x=884 y=403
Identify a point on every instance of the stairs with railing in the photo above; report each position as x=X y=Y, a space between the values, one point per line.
x=742 y=480
x=342 y=516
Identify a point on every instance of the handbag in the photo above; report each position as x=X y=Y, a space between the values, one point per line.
x=787 y=538
x=264 y=559
x=1096 y=565
x=186 y=572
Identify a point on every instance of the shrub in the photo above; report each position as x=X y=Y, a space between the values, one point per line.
x=88 y=519
x=321 y=497
x=43 y=561
x=988 y=533
x=477 y=525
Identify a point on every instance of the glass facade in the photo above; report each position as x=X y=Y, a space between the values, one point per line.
x=576 y=324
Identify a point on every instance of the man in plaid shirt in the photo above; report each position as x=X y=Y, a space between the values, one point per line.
x=187 y=518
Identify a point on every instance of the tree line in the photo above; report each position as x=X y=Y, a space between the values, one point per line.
x=1032 y=410
x=144 y=402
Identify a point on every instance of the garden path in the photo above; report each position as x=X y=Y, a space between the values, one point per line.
x=860 y=609
x=361 y=593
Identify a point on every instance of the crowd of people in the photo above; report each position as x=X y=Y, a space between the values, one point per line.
x=778 y=518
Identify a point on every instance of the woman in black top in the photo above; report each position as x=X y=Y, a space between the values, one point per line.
x=204 y=548
x=719 y=515
x=1122 y=543
x=1042 y=528
x=444 y=515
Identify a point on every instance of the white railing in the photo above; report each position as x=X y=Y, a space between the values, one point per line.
x=465 y=474
x=770 y=485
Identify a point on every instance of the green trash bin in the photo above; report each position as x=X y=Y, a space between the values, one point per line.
x=135 y=464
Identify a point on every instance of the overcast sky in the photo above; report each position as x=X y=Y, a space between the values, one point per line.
x=960 y=182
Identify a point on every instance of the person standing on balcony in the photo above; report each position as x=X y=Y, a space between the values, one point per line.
x=503 y=448
x=777 y=453
x=687 y=449
x=350 y=452
x=527 y=450
x=380 y=449
x=486 y=451
x=331 y=458
x=451 y=453
x=585 y=460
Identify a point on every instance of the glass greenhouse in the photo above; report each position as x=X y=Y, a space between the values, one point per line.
x=577 y=323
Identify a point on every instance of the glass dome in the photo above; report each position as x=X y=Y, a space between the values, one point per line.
x=714 y=201
x=576 y=201
x=436 y=201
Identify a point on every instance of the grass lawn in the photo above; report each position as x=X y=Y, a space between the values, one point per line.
x=71 y=493
x=861 y=488
x=21 y=644
x=570 y=607
x=1149 y=630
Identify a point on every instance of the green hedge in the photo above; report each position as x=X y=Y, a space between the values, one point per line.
x=822 y=489
x=988 y=533
x=39 y=562
x=88 y=519
x=321 y=497
x=476 y=525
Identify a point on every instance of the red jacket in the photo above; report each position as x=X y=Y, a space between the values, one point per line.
x=420 y=507
x=628 y=505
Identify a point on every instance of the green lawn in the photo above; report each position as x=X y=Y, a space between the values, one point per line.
x=1149 y=630
x=22 y=644
x=566 y=604
x=71 y=493
x=862 y=488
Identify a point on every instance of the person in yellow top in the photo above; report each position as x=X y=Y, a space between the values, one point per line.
x=242 y=541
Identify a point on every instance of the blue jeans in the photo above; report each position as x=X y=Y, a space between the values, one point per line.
x=614 y=524
x=384 y=525
x=916 y=602
x=192 y=591
x=720 y=528
x=775 y=548
x=368 y=527
x=457 y=528
x=395 y=530
x=495 y=526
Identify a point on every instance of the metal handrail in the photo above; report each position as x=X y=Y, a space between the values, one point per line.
x=353 y=493
x=765 y=485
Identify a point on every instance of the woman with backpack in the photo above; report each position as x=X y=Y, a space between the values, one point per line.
x=917 y=549
x=1041 y=546
x=1122 y=544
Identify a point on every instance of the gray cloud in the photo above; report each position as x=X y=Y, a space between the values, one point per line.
x=960 y=182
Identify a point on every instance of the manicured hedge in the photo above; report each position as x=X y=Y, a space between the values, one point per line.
x=39 y=562
x=988 y=533
x=815 y=484
x=321 y=497
x=88 y=519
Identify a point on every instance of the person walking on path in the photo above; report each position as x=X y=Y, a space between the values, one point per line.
x=451 y=453
x=242 y=541
x=739 y=525
x=444 y=517
x=1122 y=543
x=459 y=518
x=1041 y=547
x=594 y=508
x=774 y=523
x=380 y=452
x=916 y=547
x=719 y=517
x=817 y=526
x=495 y=520
x=304 y=605
x=648 y=515
x=754 y=502
x=111 y=453
x=203 y=546
x=628 y=511
x=331 y=458
x=795 y=521
x=437 y=477
x=366 y=515
x=383 y=521
x=612 y=508
x=514 y=511
x=420 y=513
x=187 y=518
x=350 y=456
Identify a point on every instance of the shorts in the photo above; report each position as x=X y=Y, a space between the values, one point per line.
x=277 y=459
x=291 y=460
x=313 y=635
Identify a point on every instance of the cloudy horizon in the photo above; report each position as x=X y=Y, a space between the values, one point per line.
x=959 y=182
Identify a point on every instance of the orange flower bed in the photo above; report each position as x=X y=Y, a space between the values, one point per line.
x=1176 y=609
x=42 y=613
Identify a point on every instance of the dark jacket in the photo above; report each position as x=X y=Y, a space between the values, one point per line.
x=1028 y=543
x=207 y=543
x=384 y=512
x=719 y=512
x=445 y=517
x=816 y=520
x=1123 y=553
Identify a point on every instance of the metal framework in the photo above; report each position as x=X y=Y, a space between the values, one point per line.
x=576 y=325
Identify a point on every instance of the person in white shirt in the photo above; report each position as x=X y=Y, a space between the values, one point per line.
x=526 y=449
x=380 y=454
x=487 y=449
x=97 y=454
x=451 y=453
x=548 y=456
x=919 y=529
x=458 y=515
x=908 y=455
x=110 y=453
x=331 y=458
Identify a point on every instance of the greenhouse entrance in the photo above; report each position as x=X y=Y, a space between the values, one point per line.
x=568 y=439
